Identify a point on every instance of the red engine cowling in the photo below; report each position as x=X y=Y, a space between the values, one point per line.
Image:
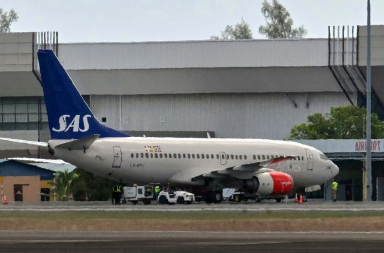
x=274 y=183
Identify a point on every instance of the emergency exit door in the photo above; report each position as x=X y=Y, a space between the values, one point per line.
x=309 y=159
x=223 y=158
x=117 y=157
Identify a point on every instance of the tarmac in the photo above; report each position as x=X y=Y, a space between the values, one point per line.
x=93 y=241
x=269 y=205
x=177 y=241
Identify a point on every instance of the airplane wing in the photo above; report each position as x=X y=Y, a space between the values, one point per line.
x=244 y=170
x=35 y=143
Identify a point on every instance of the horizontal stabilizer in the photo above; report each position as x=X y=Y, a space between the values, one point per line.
x=79 y=144
x=35 y=143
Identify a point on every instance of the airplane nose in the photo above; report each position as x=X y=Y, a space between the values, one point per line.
x=335 y=169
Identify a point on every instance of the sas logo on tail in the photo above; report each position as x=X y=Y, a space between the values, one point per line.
x=64 y=127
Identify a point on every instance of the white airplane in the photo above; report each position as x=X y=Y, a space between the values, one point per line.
x=259 y=167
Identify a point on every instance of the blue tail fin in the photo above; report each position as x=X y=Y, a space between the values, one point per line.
x=69 y=116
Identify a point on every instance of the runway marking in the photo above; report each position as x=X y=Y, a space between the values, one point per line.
x=190 y=210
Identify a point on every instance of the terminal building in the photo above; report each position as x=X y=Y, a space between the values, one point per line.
x=231 y=89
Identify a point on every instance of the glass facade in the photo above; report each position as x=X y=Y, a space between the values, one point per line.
x=24 y=113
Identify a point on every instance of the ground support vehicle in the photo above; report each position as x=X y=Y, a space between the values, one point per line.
x=175 y=197
x=138 y=193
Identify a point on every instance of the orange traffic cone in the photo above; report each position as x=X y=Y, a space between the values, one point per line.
x=296 y=200
x=5 y=200
x=301 y=199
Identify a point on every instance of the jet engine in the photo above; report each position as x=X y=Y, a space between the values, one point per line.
x=269 y=183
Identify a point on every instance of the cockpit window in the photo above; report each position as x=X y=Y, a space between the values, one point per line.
x=324 y=157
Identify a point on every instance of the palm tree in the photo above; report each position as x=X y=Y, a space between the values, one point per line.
x=62 y=184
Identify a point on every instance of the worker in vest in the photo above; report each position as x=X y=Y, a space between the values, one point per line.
x=334 y=189
x=113 y=195
x=157 y=191
x=118 y=194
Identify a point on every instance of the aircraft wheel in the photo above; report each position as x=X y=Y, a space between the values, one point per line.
x=188 y=202
x=218 y=196
x=238 y=198
x=134 y=202
x=279 y=200
x=180 y=200
x=146 y=201
x=163 y=200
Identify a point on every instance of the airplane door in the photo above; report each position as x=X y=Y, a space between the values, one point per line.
x=117 y=157
x=309 y=159
x=223 y=158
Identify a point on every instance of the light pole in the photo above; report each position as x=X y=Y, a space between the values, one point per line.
x=368 y=127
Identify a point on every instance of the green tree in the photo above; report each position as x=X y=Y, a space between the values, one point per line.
x=279 y=22
x=91 y=187
x=6 y=20
x=62 y=184
x=240 y=31
x=345 y=122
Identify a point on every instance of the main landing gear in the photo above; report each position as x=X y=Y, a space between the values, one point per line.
x=214 y=196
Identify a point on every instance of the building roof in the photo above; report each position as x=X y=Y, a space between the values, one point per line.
x=15 y=168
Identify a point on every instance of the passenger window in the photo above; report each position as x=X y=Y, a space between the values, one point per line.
x=258 y=157
x=142 y=155
x=299 y=158
x=232 y=157
x=236 y=157
x=202 y=156
x=146 y=155
x=302 y=158
x=193 y=156
x=189 y=156
x=222 y=157
x=198 y=156
x=245 y=157
x=161 y=155
x=212 y=156
x=227 y=157
x=170 y=156
x=179 y=156
x=217 y=156
x=156 y=155
x=174 y=156
x=263 y=157
x=183 y=155
x=272 y=156
x=254 y=157
x=151 y=155
x=207 y=156
x=267 y=156
x=165 y=155
x=241 y=157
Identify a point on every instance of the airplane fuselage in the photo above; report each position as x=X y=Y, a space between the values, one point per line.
x=177 y=160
